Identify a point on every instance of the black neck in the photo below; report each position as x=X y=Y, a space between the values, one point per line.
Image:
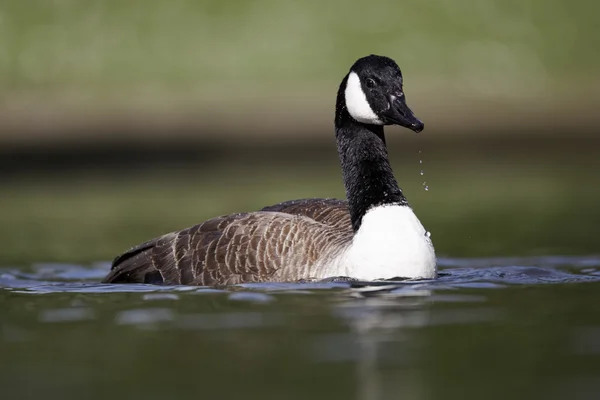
x=368 y=176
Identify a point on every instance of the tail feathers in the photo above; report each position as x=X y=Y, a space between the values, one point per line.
x=135 y=266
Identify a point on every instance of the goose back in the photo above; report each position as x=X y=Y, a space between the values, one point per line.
x=332 y=212
x=246 y=247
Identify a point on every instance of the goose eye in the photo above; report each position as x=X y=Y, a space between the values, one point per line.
x=370 y=83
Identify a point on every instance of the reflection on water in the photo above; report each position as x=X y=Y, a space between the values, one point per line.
x=525 y=327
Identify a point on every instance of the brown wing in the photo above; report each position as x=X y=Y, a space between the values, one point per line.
x=332 y=212
x=252 y=247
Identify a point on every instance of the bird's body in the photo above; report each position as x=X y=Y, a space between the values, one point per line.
x=374 y=235
x=246 y=247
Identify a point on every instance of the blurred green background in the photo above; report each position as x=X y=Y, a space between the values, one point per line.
x=120 y=121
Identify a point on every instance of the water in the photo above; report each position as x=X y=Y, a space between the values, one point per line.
x=422 y=172
x=486 y=328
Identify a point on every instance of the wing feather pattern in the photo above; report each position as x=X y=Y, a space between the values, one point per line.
x=281 y=243
x=331 y=212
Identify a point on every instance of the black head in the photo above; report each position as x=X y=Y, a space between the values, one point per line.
x=374 y=94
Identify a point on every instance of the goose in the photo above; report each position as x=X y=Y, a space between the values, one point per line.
x=373 y=235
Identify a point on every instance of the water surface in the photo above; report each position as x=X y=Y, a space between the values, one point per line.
x=486 y=328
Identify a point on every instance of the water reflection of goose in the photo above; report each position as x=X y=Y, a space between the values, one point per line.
x=380 y=341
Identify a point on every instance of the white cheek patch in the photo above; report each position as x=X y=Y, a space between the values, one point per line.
x=357 y=104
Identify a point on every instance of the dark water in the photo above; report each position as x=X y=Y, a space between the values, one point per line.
x=487 y=328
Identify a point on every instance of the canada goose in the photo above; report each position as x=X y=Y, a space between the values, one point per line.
x=374 y=235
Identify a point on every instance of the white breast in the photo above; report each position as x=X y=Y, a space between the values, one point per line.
x=390 y=243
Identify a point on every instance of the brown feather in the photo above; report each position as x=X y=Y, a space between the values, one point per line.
x=331 y=212
x=279 y=243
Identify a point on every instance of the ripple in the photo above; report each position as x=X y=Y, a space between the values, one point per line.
x=160 y=296
x=253 y=297
x=539 y=261
x=66 y=314
x=144 y=316
x=480 y=273
x=228 y=320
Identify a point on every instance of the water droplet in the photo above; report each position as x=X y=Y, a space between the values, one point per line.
x=422 y=171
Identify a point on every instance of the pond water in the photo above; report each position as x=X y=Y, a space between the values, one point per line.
x=492 y=328
x=487 y=328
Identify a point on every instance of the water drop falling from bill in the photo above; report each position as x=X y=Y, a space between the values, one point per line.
x=425 y=185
